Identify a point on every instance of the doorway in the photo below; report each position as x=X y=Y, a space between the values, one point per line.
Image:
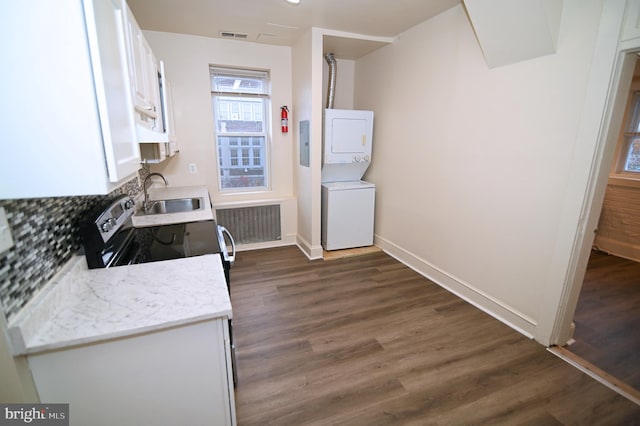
x=607 y=320
x=606 y=340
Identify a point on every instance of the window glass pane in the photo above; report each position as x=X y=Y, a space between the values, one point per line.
x=226 y=80
x=240 y=102
x=244 y=167
x=238 y=85
x=238 y=115
x=633 y=156
x=633 y=125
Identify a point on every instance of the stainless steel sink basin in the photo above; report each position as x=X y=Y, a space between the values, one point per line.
x=178 y=205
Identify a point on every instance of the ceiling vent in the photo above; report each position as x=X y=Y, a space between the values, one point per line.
x=229 y=34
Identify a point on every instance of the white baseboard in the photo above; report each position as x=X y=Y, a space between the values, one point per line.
x=596 y=373
x=267 y=244
x=618 y=248
x=465 y=291
x=311 y=252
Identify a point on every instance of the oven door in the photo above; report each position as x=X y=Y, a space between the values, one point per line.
x=128 y=253
x=121 y=249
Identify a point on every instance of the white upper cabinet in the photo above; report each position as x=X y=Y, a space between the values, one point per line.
x=631 y=25
x=107 y=42
x=144 y=77
x=152 y=102
x=168 y=118
x=67 y=112
x=153 y=147
x=138 y=60
x=167 y=98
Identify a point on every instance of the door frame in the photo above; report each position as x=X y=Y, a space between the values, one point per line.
x=612 y=69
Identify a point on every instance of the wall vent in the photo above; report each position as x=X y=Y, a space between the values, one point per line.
x=230 y=34
x=250 y=225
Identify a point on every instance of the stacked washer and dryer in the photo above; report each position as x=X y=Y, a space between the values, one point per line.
x=347 y=201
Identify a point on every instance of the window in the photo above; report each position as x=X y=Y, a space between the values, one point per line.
x=240 y=105
x=630 y=160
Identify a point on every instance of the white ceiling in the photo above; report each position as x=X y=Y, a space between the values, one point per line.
x=277 y=22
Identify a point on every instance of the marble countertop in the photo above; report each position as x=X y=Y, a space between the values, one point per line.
x=80 y=306
x=157 y=192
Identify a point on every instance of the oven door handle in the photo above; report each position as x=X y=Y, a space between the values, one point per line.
x=223 y=244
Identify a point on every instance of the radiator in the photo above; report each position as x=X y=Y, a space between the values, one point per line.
x=251 y=224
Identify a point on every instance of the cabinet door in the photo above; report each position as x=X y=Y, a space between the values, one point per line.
x=59 y=137
x=105 y=20
x=177 y=376
x=153 y=88
x=144 y=75
x=168 y=117
x=172 y=145
x=138 y=64
x=631 y=25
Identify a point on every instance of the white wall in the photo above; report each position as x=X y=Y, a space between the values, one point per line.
x=307 y=82
x=187 y=59
x=472 y=164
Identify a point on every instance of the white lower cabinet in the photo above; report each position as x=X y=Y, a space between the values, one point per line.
x=176 y=376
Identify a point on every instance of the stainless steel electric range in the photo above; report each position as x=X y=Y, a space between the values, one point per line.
x=110 y=240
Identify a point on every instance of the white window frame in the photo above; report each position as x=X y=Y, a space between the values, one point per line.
x=230 y=159
x=630 y=134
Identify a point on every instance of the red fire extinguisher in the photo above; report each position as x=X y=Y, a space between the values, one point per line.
x=284 y=119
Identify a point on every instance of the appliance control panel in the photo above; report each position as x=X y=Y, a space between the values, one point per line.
x=115 y=216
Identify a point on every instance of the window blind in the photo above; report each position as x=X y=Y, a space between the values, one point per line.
x=235 y=82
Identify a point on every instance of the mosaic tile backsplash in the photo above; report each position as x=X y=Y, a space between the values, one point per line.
x=45 y=237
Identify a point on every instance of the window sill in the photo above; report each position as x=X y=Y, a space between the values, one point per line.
x=627 y=181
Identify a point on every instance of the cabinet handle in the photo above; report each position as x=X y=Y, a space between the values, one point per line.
x=148 y=111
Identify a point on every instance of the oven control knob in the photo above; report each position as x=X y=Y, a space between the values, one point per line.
x=108 y=224
x=128 y=204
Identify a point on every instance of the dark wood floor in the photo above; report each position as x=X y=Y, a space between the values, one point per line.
x=368 y=341
x=607 y=317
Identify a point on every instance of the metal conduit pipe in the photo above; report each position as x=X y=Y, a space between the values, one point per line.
x=331 y=90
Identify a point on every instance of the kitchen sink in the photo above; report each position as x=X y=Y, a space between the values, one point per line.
x=177 y=205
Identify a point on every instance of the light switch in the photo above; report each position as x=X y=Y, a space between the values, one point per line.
x=6 y=242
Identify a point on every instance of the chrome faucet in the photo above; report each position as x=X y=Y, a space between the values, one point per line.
x=145 y=204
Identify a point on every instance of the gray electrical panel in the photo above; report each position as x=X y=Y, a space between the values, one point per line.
x=304 y=143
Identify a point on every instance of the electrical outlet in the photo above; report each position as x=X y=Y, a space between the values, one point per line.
x=193 y=168
x=6 y=242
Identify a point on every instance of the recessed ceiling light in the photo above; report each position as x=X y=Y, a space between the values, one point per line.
x=293 y=1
